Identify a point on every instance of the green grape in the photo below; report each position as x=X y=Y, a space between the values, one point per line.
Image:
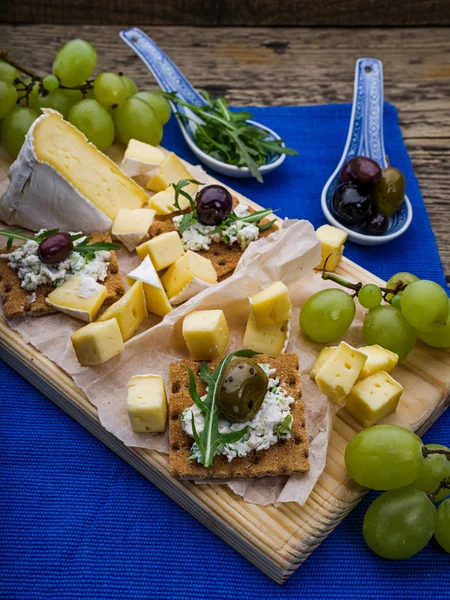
x=396 y=300
x=8 y=98
x=385 y=325
x=442 y=529
x=56 y=100
x=50 y=83
x=370 y=296
x=439 y=338
x=74 y=95
x=157 y=102
x=130 y=85
x=15 y=127
x=436 y=467
x=74 y=63
x=8 y=74
x=136 y=120
x=327 y=315
x=398 y=524
x=399 y=280
x=90 y=117
x=110 y=90
x=384 y=457
x=33 y=98
x=425 y=305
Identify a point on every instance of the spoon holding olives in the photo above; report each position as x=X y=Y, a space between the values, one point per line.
x=365 y=196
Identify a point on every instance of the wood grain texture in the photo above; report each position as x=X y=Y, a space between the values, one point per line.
x=295 y=66
x=344 y=13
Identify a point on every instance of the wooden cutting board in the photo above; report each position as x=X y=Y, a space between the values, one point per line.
x=275 y=539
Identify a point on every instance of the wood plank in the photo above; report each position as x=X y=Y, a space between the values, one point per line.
x=346 y=13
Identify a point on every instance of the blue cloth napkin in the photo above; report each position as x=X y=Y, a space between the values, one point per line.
x=76 y=522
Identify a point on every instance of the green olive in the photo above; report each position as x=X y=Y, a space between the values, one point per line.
x=390 y=191
x=242 y=390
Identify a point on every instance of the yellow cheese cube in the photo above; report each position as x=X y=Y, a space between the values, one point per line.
x=146 y=404
x=324 y=355
x=338 y=374
x=271 y=306
x=164 y=249
x=374 y=398
x=206 y=334
x=79 y=297
x=155 y=295
x=331 y=246
x=163 y=203
x=130 y=311
x=131 y=226
x=189 y=271
x=271 y=339
x=171 y=170
x=140 y=158
x=378 y=359
x=97 y=342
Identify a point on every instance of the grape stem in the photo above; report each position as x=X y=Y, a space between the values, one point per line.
x=444 y=485
x=4 y=56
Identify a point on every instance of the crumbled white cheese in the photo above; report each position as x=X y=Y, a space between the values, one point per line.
x=272 y=422
x=32 y=297
x=34 y=273
x=199 y=237
x=88 y=287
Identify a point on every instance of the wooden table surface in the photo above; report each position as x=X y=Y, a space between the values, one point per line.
x=274 y=66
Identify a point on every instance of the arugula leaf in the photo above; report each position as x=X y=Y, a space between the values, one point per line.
x=210 y=438
x=86 y=248
x=179 y=190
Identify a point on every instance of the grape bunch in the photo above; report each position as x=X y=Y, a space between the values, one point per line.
x=403 y=519
x=103 y=107
x=414 y=308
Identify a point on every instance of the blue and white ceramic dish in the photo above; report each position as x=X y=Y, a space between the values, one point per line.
x=365 y=138
x=170 y=79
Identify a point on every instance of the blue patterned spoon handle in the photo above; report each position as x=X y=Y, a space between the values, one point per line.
x=166 y=73
x=365 y=136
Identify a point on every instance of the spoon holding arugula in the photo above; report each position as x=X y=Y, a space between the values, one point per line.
x=226 y=141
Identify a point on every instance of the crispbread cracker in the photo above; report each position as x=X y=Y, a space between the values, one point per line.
x=223 y=257
x=17 y=302
x=284 y=458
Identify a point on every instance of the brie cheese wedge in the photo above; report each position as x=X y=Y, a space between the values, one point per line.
x=131 y=226
x=155 y=295
x=194 y=287
x=141 y=158
x=60 y=180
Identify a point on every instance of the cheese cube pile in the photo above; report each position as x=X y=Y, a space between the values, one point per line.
x=147 y=404
x=339 y=373
x=130 y=311
x=97 y=342
x=206 y=334
x=164 y=249
x=331 y=246
x=374 y=398
x=155 y=295
x=171 y=170
x=79 y=297
x=131 y=226
x=140 y=158
x=189 y=275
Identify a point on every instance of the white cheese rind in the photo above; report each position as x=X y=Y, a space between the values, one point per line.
x=146 y=273
x=195 y=286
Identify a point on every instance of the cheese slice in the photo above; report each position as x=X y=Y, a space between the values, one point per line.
x=271 y=306
x=206 y=334
x=164 y=249
x=147 y=404
x=79 y=297
x=271 y=339
x=331 y=246
x=97 y=342
x=163 y=203
x=130 y=311
x=60 y=180
x=140 y=158
x=155 y=295
x=131 y=226
x=171 y=170
x=189 y=275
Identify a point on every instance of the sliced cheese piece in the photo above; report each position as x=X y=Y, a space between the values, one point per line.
x=189 y=275
x=140 y=158
x=339 y=373
x=271 y=339
x=130 y=311
x=271 y=306
x=131 y=226
x=97 y=342
x=206 y=334
x=60 y=180
x=79 y=297
x=378 y=359
x=155 y=295
x=171 y=170
x=332 y=242
x=163 y=203
x=324 y=355
x=164 y=249
x=373 y=398
x=147 y=404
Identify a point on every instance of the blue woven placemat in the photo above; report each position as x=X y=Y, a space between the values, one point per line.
x=76 y=522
